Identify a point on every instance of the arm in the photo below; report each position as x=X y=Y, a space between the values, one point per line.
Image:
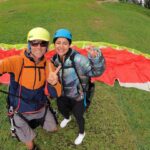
x=8 y=65
x=94 y=65
x=97 y=61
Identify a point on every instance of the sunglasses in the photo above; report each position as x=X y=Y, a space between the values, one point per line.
x=41 y=43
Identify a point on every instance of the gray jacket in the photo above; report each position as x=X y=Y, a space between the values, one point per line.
x=86 y=67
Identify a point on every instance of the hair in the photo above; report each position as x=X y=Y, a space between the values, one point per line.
x=69 y=40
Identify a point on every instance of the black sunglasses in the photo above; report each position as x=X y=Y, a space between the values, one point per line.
x=41 y=43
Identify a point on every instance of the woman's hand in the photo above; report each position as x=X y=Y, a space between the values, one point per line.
x=92 y=51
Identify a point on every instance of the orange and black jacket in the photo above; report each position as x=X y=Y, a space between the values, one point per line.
x=27 y=81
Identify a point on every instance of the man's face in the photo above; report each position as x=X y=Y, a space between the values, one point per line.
x=38 y=48
x=61 y=46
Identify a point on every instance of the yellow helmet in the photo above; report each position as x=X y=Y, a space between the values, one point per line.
x=38 y=33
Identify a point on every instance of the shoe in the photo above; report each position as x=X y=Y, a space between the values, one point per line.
x=79 y=139
x=65 y=122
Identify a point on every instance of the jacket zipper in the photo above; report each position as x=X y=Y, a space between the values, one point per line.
x=39 y=74
x=34 y=75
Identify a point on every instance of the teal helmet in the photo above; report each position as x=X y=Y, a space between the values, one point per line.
x=62 y=33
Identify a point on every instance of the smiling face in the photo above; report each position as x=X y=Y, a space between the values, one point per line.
x=62 y=46
x=38 y=49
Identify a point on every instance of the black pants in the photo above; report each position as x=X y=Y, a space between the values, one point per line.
x=67 y=106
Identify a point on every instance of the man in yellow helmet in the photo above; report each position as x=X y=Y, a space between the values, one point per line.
x=27 y=101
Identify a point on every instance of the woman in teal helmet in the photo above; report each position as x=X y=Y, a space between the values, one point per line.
x=72 y=98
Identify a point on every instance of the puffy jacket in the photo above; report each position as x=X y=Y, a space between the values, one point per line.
x=27 y=80
x=86 y=67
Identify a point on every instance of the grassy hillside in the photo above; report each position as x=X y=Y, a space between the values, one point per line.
x=118 y=118
x=118 y=23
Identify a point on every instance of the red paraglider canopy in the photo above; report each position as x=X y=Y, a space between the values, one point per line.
x=131 y=70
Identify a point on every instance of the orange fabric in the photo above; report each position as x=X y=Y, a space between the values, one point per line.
x=31 y=78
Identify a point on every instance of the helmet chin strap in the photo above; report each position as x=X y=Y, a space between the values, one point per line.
x=29 y=47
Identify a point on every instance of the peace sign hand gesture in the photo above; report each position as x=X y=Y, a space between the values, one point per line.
x=53 y=77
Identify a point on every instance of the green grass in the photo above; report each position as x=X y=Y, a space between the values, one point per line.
x=118 y=118
x=118 y=23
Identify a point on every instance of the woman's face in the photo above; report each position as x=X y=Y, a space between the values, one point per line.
x=61 y=46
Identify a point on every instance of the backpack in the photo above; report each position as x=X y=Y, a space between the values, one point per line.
x=89 y=91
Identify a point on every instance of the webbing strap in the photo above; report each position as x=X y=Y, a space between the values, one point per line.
x=8 y=93
x=35 y=122
x=74 y=66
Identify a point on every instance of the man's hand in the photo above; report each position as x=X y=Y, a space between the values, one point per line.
x=53 y=77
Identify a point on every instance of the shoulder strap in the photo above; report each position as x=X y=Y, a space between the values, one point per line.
x=74 y=66
x=21 y=70
x=54 y=58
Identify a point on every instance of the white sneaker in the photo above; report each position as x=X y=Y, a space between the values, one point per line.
x=65 y=122
x=79 y=139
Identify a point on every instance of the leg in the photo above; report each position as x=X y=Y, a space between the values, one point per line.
x=24 y=132
x=63 y=106
x=50 y=122
x=30 y=145
x=78 y=111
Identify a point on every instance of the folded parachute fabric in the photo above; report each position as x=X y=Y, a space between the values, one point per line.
x=129 y=67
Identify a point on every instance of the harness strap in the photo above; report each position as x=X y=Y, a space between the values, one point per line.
x=74 y=66
x=35 y=122
x=8 y=93
x=12 y=123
